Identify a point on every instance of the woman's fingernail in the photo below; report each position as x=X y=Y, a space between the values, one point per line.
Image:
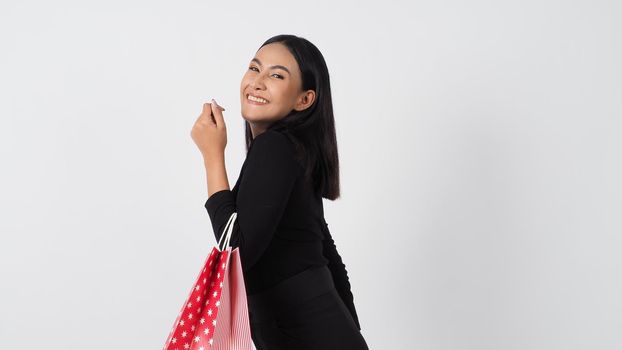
x=217 y=105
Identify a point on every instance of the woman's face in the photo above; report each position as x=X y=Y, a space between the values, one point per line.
x=274 y=76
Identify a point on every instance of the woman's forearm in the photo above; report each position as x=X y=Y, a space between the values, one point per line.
x=216 y=174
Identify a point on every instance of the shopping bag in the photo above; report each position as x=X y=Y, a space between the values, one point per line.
x=215 y=314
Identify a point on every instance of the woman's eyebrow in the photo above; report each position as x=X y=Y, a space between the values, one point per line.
x=275 y=66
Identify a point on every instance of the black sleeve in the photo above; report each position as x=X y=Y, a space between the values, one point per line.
x=339 y=272
x=264 y=190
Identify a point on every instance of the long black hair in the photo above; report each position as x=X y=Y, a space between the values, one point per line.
x=312 y=130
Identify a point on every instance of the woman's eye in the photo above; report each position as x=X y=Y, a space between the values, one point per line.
x=253 y=68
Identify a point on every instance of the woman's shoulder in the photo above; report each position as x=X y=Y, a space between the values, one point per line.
x=274 y=144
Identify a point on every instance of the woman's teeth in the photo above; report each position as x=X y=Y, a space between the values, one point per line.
x=256 y=99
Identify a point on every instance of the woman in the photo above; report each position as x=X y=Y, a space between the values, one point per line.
x=298 y=289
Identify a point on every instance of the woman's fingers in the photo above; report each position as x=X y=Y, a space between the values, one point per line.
x=217 y=112
x=206 y=114
x=212 y=113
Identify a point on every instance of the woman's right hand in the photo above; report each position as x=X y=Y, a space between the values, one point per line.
x=209 y=131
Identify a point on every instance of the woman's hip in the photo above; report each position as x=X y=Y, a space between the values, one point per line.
x=303 y=312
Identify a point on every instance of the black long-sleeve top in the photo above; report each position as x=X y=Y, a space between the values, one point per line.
x=280 y=227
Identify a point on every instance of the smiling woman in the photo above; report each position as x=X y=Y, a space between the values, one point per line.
x=298 y=290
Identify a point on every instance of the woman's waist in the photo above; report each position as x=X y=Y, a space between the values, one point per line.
x=279 y=262
x=290 y=292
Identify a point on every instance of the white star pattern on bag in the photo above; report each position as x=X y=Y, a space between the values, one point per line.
x=215 y=286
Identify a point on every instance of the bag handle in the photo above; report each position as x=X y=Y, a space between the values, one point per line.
x=232 y=218
x=227 y=231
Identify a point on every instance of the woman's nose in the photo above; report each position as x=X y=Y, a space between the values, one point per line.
x=259 y=80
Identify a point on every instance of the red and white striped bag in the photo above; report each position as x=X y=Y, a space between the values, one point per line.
x=215 y=314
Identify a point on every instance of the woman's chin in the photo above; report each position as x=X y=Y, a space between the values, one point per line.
x=256 y=114
x=255 y=117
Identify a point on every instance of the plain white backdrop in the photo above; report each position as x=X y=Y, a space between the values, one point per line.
x=480 y=165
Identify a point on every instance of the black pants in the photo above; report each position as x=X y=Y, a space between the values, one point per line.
x=303 y=312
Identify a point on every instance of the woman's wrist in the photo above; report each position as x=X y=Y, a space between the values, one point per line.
x=216 y=174
x=216 y=158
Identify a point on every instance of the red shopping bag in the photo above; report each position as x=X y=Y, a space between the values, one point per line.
x=215 y=314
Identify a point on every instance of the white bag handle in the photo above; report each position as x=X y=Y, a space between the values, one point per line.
x=226 y=234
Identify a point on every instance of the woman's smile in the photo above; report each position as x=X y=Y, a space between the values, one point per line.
x=256 y=100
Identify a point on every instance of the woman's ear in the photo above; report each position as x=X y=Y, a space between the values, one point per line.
x=305 y=100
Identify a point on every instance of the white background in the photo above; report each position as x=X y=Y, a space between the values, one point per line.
x=480 y=165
